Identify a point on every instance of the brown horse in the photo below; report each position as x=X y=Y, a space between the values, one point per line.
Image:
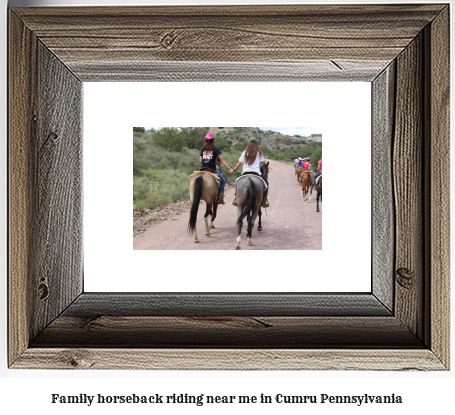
x=307 y=177
x=298 y=173
x=319 y=192
x=203 y=186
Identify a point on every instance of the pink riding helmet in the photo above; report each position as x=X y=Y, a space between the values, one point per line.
x=296 y=160
x=308 y=158
x=209 y=136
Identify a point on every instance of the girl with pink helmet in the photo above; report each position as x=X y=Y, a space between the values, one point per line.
x=208 y=158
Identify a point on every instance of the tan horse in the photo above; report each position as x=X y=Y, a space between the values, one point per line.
x=298 y=173
x=203 y=186
x=307 y=177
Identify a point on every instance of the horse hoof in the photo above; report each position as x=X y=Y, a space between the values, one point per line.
x=212 y=226
x=317 y=210
x=259 y=229
x=196 y=241
x=250 y=243
x=207 y=234
x=237 y=248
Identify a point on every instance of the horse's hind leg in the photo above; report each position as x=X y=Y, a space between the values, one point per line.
x=250 y=228
x=260 y=221
x=311 y=192
x=207 y=223
x=196 y=240
x=249 y=231
x=215 y=207
x=239 y=228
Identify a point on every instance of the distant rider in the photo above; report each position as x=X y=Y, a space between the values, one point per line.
x=306 y=165
x=319 y=171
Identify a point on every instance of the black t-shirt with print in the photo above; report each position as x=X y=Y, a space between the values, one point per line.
x=209 y=157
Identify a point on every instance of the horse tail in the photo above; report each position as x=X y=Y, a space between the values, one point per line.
x=251 y=192
x=195 y=205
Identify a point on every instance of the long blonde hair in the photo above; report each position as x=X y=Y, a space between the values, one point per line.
x=251 y=152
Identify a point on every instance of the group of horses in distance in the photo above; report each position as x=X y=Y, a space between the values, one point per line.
x=249 y=193
x=305 y=180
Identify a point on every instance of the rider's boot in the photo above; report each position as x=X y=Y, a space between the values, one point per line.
x=221 y=197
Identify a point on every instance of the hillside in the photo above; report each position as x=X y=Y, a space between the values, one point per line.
x=238 y=134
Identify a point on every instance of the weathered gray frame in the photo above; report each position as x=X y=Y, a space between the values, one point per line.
x=402 y=324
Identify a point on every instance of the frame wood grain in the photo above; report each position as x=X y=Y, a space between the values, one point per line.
x=402 y=324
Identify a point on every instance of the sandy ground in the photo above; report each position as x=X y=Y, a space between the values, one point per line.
x=289 y=223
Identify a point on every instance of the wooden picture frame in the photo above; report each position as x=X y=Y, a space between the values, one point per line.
x=403 y=324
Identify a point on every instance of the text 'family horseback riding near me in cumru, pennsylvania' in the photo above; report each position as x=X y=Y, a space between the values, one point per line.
x=227 y=188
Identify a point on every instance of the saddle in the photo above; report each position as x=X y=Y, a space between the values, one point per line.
x=252 y=173
x=317 y=180
x=206 y=170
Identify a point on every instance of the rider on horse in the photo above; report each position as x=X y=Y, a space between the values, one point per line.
x=306 y=164
x=252 y=158
x=208 y=158
x=319 y=171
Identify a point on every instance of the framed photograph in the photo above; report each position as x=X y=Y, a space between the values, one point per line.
x=402 y=323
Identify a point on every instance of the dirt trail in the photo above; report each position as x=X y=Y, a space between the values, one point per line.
x=289 y=223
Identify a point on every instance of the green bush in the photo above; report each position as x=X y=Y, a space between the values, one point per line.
x=159 y=187
x=222 y=144
x=169 y=138
x=193 y=137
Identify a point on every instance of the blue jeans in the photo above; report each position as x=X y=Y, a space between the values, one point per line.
x=223 y=182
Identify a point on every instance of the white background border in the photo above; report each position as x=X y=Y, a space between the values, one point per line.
x=343 y=265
